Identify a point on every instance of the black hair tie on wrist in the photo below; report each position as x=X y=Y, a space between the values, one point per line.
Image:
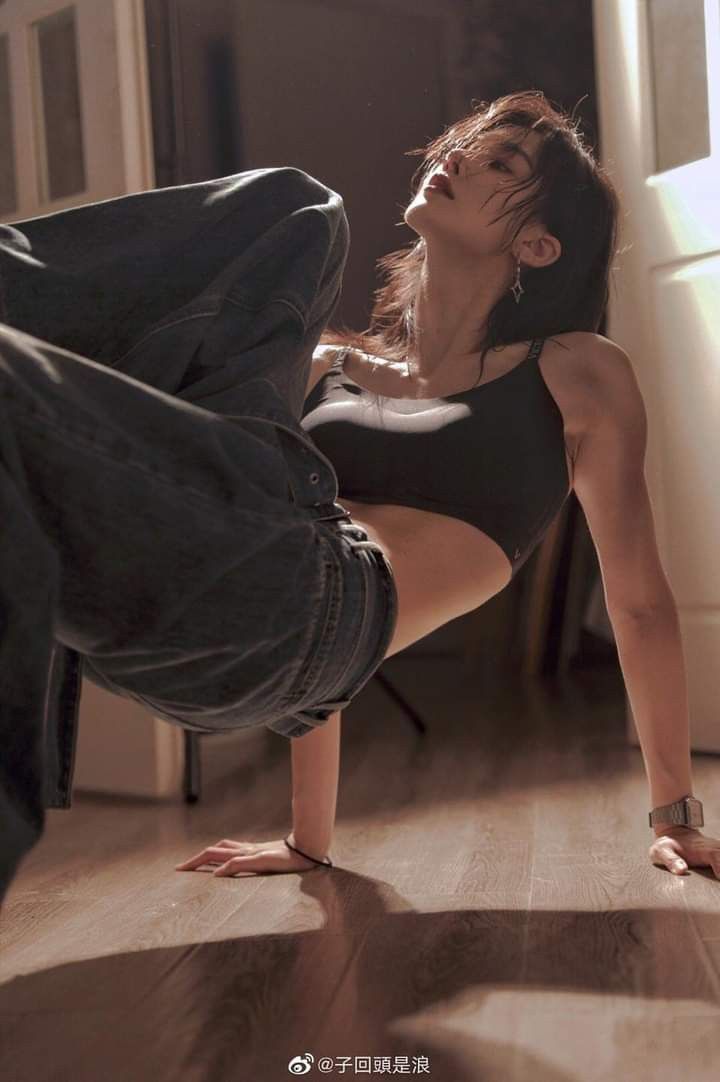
x=327 y=863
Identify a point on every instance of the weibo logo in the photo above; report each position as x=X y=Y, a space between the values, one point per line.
x=301 y=1064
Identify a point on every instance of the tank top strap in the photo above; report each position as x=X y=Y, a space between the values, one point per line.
x=339 y=359
x=535 y=349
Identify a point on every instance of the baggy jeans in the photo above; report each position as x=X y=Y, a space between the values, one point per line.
x=165 y=519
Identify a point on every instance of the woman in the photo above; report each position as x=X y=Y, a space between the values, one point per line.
x=455 y=423
x=172 y=522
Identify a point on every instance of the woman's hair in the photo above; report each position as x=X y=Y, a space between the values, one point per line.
x=570 y=194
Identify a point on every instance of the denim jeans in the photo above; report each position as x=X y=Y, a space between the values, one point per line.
x=169 y=529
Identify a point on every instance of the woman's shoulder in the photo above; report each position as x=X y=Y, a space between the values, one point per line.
x=578 y=366
x=584 y=360
x=323 y=358
x=575 y=355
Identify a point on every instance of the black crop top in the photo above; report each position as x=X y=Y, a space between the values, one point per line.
x=493 y=456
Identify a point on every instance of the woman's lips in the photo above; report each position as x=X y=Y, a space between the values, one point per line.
x=438 y=188
x=439 y=184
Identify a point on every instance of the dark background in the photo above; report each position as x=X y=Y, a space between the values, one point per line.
x=343 y=89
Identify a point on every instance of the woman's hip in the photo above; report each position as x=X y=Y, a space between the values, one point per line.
x=283 y=651
x=353 y=630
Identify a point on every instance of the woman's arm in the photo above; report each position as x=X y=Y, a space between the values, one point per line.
x=315 y=773
x=315 y=770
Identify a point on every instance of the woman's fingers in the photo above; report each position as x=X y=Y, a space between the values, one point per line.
x=249 y=862
x=215 y=854
x=664 y=852
x=691 y=849
x=273 y=857
x=234 y=857
x=674 y=862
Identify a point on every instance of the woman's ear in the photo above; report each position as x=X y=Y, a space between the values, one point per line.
x=541 y=249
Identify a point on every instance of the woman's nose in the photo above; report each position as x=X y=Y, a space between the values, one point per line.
x=453 y=161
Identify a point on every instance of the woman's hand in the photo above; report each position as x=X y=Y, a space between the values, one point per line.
x=679 y=848
x=252 y=857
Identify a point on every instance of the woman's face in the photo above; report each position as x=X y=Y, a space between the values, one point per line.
x=481 y=180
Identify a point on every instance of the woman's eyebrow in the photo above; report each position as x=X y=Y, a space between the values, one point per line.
x=517 y=149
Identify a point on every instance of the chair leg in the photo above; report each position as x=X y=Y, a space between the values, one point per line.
x=191 y=776
x=395 y=695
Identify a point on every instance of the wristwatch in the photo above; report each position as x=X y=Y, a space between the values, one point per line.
x=685 y=812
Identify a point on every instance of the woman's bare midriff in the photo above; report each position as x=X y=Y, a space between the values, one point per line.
x=444 y=567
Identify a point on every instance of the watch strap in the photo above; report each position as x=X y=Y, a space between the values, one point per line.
x=687 y=811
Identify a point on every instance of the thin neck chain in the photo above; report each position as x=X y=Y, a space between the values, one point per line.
x=410 y=375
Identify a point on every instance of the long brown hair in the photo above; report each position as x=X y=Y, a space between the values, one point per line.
x=571 y=195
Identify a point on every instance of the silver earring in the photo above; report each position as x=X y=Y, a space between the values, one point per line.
x=517 y=289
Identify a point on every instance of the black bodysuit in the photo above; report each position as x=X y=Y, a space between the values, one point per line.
x=493 y=456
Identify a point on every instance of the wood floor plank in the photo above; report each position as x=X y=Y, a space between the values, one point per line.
x=492 y=909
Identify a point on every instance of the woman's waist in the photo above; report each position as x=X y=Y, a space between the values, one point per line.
x=443 y=567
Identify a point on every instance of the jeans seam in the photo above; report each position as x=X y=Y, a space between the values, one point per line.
x=201 y=315
x=249 y=307
x=163 y=327
x=359 y=638
x=318 y=659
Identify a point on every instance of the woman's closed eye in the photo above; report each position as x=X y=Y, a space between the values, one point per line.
x=505 y=167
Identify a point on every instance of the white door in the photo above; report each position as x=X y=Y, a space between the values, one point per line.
x=75 y=122
x=75 y=128
x=658 y=71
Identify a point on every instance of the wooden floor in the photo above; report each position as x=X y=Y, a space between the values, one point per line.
x=493 y=915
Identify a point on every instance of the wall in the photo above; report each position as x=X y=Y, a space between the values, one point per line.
x=343 y=89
